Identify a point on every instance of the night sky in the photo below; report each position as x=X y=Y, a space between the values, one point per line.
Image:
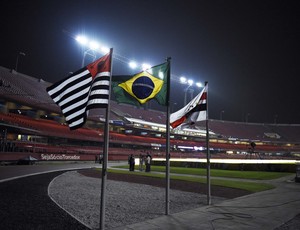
x=248 y=51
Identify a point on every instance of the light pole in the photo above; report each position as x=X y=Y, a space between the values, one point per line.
x=190 y=82
x=199 y=85
x=172 y=107
x=221 y=115
x=247 y=115
x=92 y=47
x=89 y=52
x=17 y=61
x=185 y=93
x=275 y=118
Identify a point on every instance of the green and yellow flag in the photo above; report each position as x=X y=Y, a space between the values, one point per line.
x=143 y=86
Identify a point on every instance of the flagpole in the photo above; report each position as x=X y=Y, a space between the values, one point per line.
x=207 y=151
x=168 y=138
x=105 y=153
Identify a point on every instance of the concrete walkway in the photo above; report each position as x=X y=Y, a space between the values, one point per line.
x=12 y=172
x=264 y=210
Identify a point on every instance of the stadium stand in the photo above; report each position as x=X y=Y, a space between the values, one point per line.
x=31 y=123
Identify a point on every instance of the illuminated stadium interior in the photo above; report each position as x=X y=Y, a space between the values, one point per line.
x=31 y=124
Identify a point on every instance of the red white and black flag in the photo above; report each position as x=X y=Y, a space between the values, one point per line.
x=194 y=111
x=83 y=90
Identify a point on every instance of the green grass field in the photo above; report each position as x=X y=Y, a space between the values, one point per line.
x=218 y=177
x=254 y=175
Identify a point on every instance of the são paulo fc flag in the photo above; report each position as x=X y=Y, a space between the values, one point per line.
x=194 y=111
x=83 y=90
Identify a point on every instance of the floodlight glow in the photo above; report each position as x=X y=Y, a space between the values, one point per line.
x=94 y=45
x=104 y=49
x=161 y=75
x=198 y=84
x=230 y=161
x=183 y=79
x=145 y=66
x=190 y=82
x=185 y=147
x=200 y=148
x=82 y=40
x=132 y=64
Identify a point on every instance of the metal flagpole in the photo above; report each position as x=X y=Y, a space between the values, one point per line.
x=105 y=153
x=207 y=151
x=168 y=138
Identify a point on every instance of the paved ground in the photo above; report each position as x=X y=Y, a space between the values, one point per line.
x=25 y=204
x=274 y=209
x=29 y=207
x=16 y=171
x=278 y=209
x=24 y=200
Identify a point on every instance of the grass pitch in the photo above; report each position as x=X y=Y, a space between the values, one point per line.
x=226 y=178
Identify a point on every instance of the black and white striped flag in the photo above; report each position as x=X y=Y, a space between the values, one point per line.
x=83 y=90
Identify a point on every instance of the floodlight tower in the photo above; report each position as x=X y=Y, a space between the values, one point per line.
x=89 y=52
x=221 y=114
x=190 y=82
x=92 y=48
x=17 y=61
x=142 y=67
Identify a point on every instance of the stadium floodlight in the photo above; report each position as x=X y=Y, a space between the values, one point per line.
x=132 y=64
x=190 y=82
x=199 y=84
x=145 y=66
x=183 y=80
x=92 y=47
x=104 y=49
x=82 y=40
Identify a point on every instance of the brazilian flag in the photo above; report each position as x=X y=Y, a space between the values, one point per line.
x=143 y=86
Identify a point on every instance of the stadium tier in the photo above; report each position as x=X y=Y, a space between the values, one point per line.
x=32 y=124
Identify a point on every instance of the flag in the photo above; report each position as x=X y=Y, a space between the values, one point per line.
x=143 y=86
x=83 y=90
x=194 y=111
